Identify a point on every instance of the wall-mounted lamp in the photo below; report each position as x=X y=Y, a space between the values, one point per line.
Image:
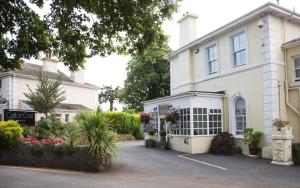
x=260 y=23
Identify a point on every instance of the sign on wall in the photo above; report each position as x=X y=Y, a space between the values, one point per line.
x=24 y=117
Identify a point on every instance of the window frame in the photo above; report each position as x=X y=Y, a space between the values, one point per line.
x=208 y=60
x=296 y=79
x=243 y=116
x=231 y=41
x=208 y=121
x=232 y=118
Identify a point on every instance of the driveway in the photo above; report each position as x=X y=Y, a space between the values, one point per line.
x=140 y=167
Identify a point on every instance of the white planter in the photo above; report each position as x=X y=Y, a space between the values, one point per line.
x=282 y=146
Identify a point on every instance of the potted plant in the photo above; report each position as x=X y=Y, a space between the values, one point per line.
x=172 y=115
x=252 y=139
x=145 y=117
x=279 y=124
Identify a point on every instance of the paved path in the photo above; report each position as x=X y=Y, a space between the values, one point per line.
x=140 y=167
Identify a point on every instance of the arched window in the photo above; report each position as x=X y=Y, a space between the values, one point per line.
x=240 y=115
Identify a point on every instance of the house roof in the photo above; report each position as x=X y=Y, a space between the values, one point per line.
x=291 y=43
x=33 y=70
x=187 y=94
x=268 y=8
x=62 y=107
x=73 y=107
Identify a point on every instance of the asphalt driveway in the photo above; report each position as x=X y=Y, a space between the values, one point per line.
x=140 y=167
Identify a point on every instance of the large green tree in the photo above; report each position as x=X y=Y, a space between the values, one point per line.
x=109 y=94
x=47 y=95
x=148 y=77
x=76 y=29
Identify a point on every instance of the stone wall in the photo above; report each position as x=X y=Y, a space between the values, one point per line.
x=22 y=155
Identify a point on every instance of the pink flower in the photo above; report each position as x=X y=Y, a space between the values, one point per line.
x=58 y=140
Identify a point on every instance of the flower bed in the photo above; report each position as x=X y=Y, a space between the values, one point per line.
x=51 y=153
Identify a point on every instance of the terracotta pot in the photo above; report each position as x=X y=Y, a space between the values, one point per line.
x=252 y=151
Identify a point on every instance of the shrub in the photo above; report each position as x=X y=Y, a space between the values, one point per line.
x=150 y=143
x=9 y=132
x=222 y=144
x=125 y=123
x=92 y=131
x=296 y=153
x=51 y=127
x=43 y=128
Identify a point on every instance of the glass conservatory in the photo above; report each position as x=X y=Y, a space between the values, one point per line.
x=198 y=117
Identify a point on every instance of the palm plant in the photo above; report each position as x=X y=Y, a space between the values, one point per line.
x=92 y=131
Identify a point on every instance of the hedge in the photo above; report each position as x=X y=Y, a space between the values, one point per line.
x=125 y=123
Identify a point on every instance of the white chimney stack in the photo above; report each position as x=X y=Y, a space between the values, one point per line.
x=78 y=76
x=49 y=65
x=188 y=28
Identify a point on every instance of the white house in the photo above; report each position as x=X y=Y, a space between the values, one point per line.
x=243 y=74
x=79 y=94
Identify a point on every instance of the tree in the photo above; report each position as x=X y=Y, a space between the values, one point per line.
x=148 y=77
x=46 y=96
x=75 y=30
x=109 y=94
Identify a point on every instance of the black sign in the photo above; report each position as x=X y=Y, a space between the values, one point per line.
x=25 y=118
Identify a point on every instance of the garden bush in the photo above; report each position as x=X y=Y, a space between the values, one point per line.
x=296 y=153
x=92 y=131
x=9 y=132
x=125 y=123
x=222 y=144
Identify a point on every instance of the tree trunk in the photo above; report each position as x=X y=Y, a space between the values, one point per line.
x=111 y=105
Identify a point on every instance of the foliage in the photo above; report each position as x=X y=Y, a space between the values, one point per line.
x=296 y=153
x=172 y=115
x=148 y=77
x=108 y=94
x=130 y=111
x=145 y=117
x=222 y=144
x=92 y=131
x=151 y=132
x=46 y=96
x=237 y=150
x=125 y=137
x=27 y=131
x=9 y=132
x=70 y=27
x=151 y=143
x=252 y=137
x=43 y=128
x=124 y=123
x=279 y=123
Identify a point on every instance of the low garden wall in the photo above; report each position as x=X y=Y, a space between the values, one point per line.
x=33 y=156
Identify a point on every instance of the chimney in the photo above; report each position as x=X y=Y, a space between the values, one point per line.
x=78 y=76
x=49 y=65
x=187 y=31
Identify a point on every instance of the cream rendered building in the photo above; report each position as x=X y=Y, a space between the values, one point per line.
x=79 y=95
x=244 y=74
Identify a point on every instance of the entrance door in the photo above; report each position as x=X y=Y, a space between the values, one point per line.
x=162 y=128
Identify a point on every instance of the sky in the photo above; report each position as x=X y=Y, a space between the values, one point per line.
x=212 y=15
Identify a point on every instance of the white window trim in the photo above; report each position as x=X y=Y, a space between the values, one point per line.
x=210 y=44
x=207 y=128
x=294 y=83
x=232 y=120
x=230 y=38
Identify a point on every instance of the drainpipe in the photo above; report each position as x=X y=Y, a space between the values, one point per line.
x=225 y=112
x=287 y=101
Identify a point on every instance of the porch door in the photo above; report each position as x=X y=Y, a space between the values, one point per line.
x=162 y=126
